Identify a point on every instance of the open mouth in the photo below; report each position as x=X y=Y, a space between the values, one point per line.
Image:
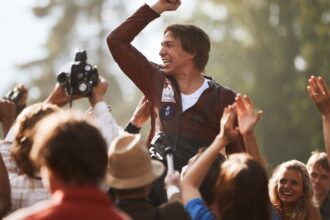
x=286 y=193
x=166 y=61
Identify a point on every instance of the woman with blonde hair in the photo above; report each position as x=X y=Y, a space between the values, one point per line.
x=291 y=192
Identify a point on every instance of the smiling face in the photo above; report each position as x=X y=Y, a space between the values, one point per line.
x=290 y=186
x=174 y=58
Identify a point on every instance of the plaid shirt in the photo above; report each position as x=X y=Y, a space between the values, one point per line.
x=25 y=191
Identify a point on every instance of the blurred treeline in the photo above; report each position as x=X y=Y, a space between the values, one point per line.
x=264 y=48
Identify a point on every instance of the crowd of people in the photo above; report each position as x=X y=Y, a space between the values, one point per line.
x=200 y=161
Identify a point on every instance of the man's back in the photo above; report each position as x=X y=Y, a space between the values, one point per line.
x=80 y=203
x=142 y=209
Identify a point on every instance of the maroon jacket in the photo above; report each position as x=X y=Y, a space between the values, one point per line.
x=83 y=203
x=186 y=131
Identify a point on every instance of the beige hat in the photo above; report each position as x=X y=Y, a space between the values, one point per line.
x=129 y=165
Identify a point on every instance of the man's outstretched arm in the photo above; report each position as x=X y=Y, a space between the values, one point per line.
x=320 y=94
x=131 y=61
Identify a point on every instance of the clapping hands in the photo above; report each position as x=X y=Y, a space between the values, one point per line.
x=246 y=115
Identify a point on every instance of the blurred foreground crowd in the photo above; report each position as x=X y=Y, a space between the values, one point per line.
x=200 y=161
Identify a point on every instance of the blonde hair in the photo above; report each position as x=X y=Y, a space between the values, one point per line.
x=299 y=211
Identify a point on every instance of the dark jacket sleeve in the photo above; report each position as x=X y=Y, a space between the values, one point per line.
x=134 y=64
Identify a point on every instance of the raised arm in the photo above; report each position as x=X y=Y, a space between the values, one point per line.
x=320 y=94
x=247 y=121
x=147 y=76
x=165 y=5
x=5 y=195
x=7 y=115
x=100 y=112
x=172 y=185
x=140 y=116
x=195 y=175
x=59 y=97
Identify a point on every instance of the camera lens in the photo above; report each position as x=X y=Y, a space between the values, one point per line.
x=62 y=78
x=82 y=87
x=88 y=67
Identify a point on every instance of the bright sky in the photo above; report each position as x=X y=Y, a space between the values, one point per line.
x=23 y=35
x=21 y=39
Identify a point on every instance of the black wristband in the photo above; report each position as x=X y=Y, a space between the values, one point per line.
x=130 y=128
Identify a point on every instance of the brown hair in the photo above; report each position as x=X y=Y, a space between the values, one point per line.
x=194 y=41
x=318 y=159
x=241 y=189
x=23 y=141
x=299 y=211
x=71 y=147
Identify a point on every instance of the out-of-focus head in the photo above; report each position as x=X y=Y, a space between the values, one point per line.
x=319 y=172
x=23 y=140
x=71 y=147
x=193 y=40
x=130 y=166
x=241 y=189
x=290 y=186
x=208 y=184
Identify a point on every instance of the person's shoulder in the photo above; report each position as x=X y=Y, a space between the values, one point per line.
x=220 y=88
x=325 y=206
x=172 y=209
x=313 y=212
x=31 y=212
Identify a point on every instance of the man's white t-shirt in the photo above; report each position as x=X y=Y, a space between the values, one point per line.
x=190 y=100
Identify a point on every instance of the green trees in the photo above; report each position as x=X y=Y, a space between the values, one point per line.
x=264 y=48
x=78 y=24
x=268 y=49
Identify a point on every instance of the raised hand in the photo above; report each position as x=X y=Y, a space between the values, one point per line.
x=98 y=91
x=22 y=89
x=320 y=94
x=246 y=115
x=166 y=5
x=7 y=115
x=227 y=130
x=141 y=113
x=172 y=179
x=59 y=97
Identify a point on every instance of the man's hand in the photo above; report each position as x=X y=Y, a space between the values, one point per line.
x=98 y=91
x=18 y=95
x=25 y=93
x=172 y=179
x=165 y=5
x=319 y=92
x=21 y=104
x=246 y=116
x=141 y=113
x=59 y=97
x=7 y=115
x=227 y=130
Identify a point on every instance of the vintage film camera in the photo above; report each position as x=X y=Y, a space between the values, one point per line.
x=82 y=77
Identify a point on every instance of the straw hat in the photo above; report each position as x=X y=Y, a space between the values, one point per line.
x=129 y=165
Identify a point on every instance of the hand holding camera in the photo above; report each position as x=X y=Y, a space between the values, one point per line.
x=98 y=91
x=82 y=77
x=18 y=95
